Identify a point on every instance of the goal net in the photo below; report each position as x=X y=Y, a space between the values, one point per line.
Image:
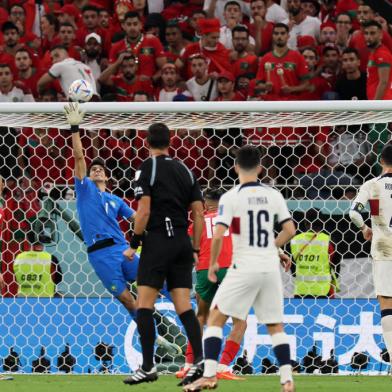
x=315 y=153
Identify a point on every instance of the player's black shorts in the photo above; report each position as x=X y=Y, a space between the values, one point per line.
x=166 y=258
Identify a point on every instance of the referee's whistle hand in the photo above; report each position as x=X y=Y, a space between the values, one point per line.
x=129 y=253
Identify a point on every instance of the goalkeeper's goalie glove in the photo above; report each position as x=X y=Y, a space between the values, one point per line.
x=74 y=115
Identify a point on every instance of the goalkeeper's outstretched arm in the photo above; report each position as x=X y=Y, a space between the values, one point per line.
x=75 y=115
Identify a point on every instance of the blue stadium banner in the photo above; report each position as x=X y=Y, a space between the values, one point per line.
x=343 y=325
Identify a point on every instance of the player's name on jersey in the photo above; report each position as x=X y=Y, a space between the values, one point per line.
x=258 y=200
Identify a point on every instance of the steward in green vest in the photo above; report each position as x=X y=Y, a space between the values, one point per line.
x=311 y=254
x=37 y=272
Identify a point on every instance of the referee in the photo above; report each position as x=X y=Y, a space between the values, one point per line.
x=165 y=189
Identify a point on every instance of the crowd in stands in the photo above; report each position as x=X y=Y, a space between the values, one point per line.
x=165 y=50
x=186 y=50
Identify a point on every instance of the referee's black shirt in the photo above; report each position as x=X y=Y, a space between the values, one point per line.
x=172 y=188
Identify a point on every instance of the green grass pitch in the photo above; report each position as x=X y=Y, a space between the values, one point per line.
x=99 y=383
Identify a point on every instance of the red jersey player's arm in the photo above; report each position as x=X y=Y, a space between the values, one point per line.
x=106 y=76
x=198 y=223
x=383 y=80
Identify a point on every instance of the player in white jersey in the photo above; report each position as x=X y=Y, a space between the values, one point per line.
x=66 y=70
x=253 y=280
x=378 y=192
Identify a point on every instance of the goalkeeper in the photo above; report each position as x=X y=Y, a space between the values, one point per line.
x=98 y=212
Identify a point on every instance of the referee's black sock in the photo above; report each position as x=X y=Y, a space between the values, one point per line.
x=146 y=328
x=193 y=331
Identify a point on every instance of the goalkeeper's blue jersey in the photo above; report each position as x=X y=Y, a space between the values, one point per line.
x=99 y=213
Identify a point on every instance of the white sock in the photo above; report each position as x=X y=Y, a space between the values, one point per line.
x=212 y=346
x=286 y=374
x=386 y=324
x=210 y=367
x=280 y=343
x=222 y=368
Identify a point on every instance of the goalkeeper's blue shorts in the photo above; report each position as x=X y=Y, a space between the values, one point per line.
x=115 y=270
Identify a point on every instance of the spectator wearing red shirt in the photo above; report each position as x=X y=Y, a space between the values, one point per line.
x=91 y=25
x=226 y=91
x=344 y=26
x=260 y=29
x=330 y=67
x=27 y=74
x=147 y=49
x=209 y=46
x=283 y=73
x=379 y=83
x=69 y=13
x=366 y=14
x=175 y=41
x=49 y=28
x=11 y=44
x=123 y=79
x=241 y=61
x=17 y=15
x=318 y=86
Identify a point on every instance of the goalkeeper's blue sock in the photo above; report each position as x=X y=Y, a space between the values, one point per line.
x=280 y=343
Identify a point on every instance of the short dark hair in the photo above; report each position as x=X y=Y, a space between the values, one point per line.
x=345 y=14
x=5 y=66
x=67 y=24
x=58 y=47
x=130 y=15
x=90 y=8
x=23 y=49
x=371 y=23
x=240 y=29
x=386 y=154
x=158 y=136
x=213 y=193
x=9 y=26
x=232 y=2
x=281 y=26
x=97 y=162
x=53 y=21
x=351 y=50
x=329 y=49
x=248 y=157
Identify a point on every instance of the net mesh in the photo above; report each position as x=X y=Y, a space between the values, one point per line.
x=316 y=159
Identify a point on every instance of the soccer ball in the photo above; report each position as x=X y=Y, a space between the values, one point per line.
x=80 y=91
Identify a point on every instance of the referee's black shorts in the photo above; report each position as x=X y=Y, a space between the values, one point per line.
x=166 y=258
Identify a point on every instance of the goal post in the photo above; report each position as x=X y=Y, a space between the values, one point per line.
x=316 y=153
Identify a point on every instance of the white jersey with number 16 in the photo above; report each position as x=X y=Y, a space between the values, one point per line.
x=252 y=210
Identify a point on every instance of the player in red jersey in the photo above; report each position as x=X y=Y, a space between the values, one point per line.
x=206 y=290
x=379 y=81
x=2 y=282
x=283 y=73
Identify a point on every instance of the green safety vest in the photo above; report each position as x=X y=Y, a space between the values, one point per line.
x=33 y=274
x=311 y=255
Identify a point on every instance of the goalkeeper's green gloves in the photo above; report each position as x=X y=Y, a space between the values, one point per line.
x=74 y=115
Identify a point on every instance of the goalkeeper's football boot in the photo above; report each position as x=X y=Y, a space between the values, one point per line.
x=194 y=373
x=288 y=387
x=171 y=348
x=201 y=383
x=141 y=376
